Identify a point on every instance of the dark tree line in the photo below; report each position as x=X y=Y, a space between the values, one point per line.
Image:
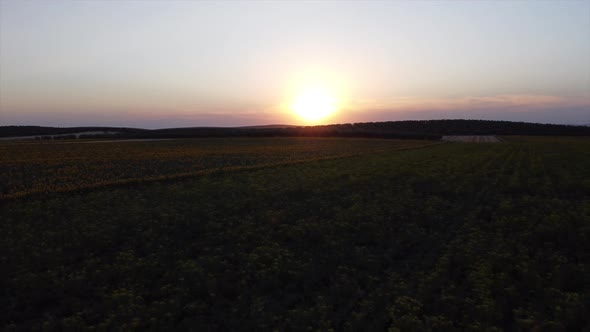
x=15 y=131
x=423 y=129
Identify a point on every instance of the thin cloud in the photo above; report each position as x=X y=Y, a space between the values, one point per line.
x=506 y=101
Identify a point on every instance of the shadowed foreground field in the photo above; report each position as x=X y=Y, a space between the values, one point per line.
x=447 y=237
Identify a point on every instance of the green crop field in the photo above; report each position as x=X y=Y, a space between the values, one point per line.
x=296 y=234
x=29 y=168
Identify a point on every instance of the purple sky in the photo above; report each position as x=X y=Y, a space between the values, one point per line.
x=182 y=63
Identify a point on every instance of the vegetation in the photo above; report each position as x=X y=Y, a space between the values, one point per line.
x=11 y=131
x=28 y=168
x=448 y=237
x=426 y=129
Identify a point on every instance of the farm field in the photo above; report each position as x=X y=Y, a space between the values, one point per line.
x=471 y=139
x=33 y=167
x=331 y=234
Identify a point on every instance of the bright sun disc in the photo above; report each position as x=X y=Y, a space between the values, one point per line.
x=313 y=104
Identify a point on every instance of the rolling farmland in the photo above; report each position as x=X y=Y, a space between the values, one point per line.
x=27 y=168
x=472 y=139
x=445 y=237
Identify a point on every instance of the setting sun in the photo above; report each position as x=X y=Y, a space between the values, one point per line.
x=314 y=104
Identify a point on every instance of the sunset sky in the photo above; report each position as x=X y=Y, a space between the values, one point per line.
x=155 y=64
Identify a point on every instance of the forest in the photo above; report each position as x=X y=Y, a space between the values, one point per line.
x=399 y=237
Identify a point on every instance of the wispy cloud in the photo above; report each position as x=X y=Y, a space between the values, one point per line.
x=506 y=101
x=513 y=107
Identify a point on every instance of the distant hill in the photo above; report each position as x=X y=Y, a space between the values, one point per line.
x=423 y=129
x=476 y=127
x=268 y=126
x=15 y=131
x=426 y=129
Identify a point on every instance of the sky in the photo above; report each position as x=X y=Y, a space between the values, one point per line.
x=158 y=64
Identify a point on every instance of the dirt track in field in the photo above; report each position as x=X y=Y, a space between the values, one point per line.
x=472 y=139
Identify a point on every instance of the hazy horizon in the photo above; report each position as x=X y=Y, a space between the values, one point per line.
x=188 y=64
x=271 y=124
